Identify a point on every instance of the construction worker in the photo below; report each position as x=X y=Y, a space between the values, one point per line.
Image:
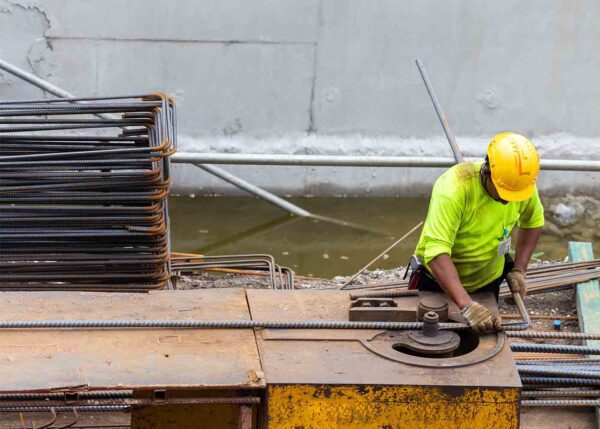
x=465 y=242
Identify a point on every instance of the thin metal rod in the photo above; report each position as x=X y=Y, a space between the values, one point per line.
x=44 y=85
x=394 y=244
x=561 y=403
x=557 y=335
x=254 y=190
x=358 y=161
x=217 y=324
x=554 y=348
x=34 y=80
x=560 y=393
x=440 y=112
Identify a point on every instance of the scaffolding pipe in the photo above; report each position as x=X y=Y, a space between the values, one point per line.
x=255 y=190
x=358 y=161
x=440 y=112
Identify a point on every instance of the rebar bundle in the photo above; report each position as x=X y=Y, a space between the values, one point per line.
x=540 y=279
x=83 y=193
x=279 y=277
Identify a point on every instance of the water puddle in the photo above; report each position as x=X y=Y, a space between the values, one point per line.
x=228 y=225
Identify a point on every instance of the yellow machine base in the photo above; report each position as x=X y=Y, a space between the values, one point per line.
x=387 y=407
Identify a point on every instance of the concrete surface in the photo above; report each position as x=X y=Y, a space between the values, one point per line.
x=557 y=418
x=328 y=76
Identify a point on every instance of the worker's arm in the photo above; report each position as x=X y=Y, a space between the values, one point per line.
x=530 y=228
x=445 y=273
x=478 y=316
x=527 y=239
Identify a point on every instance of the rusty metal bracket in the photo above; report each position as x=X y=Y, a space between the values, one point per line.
x=379 y=309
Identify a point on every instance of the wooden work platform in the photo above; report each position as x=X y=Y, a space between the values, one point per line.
x=44 y=359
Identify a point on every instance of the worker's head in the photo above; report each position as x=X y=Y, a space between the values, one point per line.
x=512 y=165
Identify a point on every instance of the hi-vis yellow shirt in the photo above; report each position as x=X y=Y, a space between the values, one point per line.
x=467 y=224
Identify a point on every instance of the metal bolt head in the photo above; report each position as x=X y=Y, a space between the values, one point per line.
x=431 y=317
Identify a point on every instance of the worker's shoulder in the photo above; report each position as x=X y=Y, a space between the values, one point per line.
x=457 y=178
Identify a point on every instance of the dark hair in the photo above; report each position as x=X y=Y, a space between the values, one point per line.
x=486 y=164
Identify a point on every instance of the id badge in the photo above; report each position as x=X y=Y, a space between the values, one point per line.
x=504 y=246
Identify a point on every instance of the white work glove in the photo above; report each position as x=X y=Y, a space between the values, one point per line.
x=480 y=319
x=517 y=281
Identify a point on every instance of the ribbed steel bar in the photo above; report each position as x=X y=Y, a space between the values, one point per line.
x=560 y=381
x=557 y=371
x=65 y=408
x=385 y=294
x=554 y=335
x=57 y=396
x=580 y=361
x=561 y=403
x=561 y=393
x=218 y=324
x=554 y=348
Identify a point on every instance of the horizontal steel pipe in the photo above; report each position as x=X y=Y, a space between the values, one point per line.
x=359 y=161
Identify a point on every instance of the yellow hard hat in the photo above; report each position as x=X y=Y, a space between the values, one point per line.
x=514 y=164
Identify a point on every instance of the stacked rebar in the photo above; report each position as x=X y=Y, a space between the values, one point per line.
x=563 y=382
x=83 y=193
x=545 y=278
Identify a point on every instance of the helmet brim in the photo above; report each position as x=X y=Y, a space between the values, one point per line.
x=514 y=196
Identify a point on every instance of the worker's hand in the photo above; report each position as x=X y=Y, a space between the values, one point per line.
x=480 y=319
x=517 y=281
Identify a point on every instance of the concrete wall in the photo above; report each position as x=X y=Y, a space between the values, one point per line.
x=328 y=76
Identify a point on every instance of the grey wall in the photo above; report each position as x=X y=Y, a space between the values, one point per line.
x=328 y=76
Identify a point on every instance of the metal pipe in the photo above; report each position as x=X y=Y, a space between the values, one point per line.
x=312 y=160
x=255 y=190
x=359 y=161
x=440 y=112
x=34 y=80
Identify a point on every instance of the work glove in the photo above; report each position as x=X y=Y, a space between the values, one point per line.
x=517 y=281
x=480 y=319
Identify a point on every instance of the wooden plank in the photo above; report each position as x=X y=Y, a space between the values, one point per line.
x=588 y=298
x=587 y=293
x=40 y=359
